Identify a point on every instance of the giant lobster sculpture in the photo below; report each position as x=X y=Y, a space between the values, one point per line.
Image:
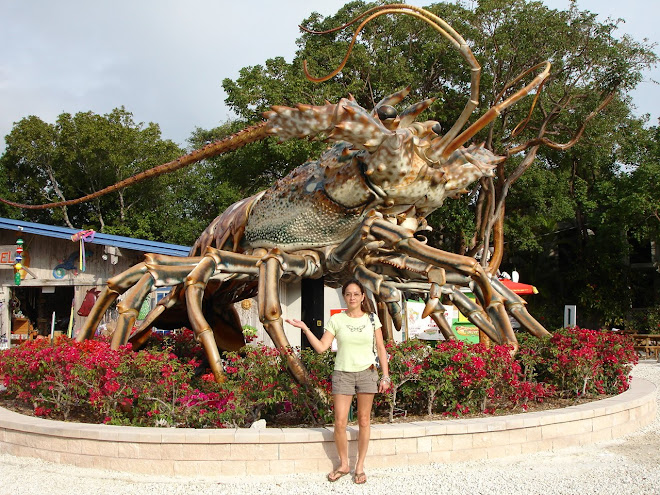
x=357 y=211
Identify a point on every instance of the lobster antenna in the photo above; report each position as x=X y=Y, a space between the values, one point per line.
x=230 y=143
x=440 y=26
x=494 y=111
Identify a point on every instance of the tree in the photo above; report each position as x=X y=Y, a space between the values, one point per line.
x=83 y=153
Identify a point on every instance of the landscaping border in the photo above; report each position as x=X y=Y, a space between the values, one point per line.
x=270 y=451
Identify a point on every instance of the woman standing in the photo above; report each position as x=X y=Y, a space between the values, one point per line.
x=359 y=340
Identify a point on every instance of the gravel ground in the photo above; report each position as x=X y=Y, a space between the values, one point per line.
x=628 y=465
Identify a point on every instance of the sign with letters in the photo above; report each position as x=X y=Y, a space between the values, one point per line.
x=7 y=253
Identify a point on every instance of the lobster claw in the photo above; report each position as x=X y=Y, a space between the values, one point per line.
x=433 y=302
x=395 y=312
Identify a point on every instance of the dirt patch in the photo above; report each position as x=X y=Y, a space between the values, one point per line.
x=641 y=449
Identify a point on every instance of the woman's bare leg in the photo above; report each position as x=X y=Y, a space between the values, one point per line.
x=364 y=403
x=342 y=405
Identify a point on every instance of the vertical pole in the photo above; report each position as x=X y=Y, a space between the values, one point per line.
x=52 y=327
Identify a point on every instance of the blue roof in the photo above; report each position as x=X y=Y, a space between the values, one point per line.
x=102 y=239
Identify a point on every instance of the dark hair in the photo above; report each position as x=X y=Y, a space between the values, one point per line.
x=351 y=282
x=367 y=306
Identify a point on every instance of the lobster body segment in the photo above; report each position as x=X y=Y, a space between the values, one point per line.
x=308 y=209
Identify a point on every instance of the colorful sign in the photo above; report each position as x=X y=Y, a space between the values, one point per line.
x=426 y=329
x=463 y=328
x=423 y=328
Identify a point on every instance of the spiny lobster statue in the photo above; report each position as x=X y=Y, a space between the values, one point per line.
x=354 y=212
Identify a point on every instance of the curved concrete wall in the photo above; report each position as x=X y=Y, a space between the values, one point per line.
x=294 y=450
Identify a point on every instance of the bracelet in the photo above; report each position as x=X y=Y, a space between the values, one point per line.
x=386 y=379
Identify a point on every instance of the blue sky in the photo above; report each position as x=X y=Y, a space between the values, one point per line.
x=164 y=60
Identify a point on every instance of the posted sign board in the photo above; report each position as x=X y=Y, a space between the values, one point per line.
x=7 y=254
x=426 y=329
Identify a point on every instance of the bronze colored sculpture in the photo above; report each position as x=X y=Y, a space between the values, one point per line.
x=354 y=212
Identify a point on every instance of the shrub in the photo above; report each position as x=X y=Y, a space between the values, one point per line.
x=162 y=386
x=101 y=384
x=406 y=362
x=584 y=362
x=265 y=389
x=458 y=378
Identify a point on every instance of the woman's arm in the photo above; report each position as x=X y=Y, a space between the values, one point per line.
x=319 y=345
x=385 y=381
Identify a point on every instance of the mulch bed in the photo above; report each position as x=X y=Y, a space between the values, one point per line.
x=287 y=421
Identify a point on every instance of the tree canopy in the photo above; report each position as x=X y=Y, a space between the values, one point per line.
x=83 y=153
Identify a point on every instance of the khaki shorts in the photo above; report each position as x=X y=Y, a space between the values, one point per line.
x=355 y=382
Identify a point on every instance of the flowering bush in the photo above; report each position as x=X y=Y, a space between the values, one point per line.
x=163 y=386
x=105 y=385
x=260 y=380
x=181 y=343
x=264 y=388
x=45 y=375
x=406 y=362
x=456 y=378
x=508 y=386
x=582 y=362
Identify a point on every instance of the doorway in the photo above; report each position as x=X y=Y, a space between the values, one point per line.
x=35 y=306
x=311 y=307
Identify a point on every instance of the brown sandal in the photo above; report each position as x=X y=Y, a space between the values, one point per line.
x=359 y=478
x=336 y=474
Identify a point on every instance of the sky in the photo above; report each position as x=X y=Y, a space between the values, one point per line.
x=164 y=60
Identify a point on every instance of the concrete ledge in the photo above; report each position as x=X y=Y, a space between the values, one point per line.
x=190 y=452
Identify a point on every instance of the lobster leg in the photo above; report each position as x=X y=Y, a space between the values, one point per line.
x=385 y=319
x=498 y=316
x=387 y=294
x=380 y=268
x=143 y=333
x=195 y=285
x=115 y=286
x=402 y=240
x=214 y=261
x=439 y=318
x=270 y=313
x=516 y=306
x=129 y=308
x=475 y=315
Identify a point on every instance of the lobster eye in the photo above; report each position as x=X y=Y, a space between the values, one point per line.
x=386 y=112
x=437 y=128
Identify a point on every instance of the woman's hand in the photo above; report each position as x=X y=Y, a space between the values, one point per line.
x=319 y=345
x=297 y=323
x=384 y=384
